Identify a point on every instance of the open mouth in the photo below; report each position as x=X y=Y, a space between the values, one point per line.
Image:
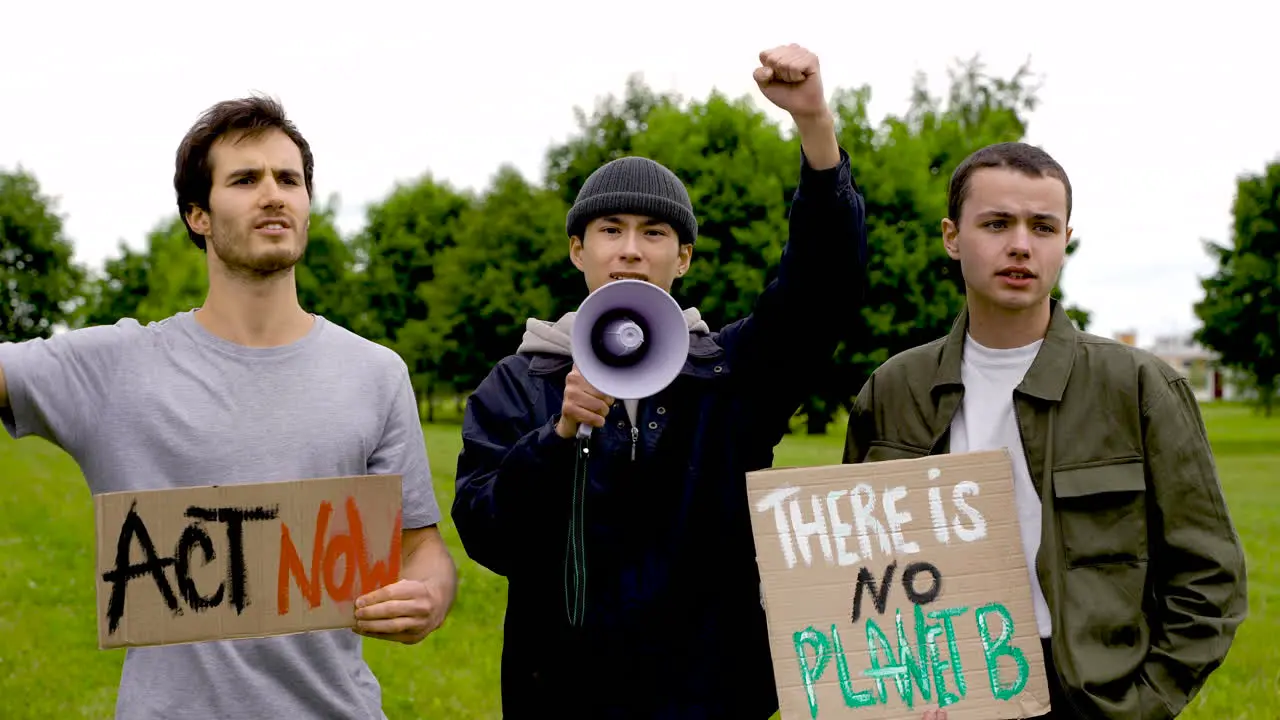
x=272 y=225
x=628 y=276
x=1017 y=274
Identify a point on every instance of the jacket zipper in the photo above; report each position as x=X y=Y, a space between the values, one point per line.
x=635 y=437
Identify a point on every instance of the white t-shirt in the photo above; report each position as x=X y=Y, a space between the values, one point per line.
x=985 y=421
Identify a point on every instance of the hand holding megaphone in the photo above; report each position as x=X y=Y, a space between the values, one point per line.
x=583 y=405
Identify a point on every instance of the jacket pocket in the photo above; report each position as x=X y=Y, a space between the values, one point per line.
x=1102 y=513
x=880 y=450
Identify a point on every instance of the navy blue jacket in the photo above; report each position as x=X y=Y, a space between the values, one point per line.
x=673 y=624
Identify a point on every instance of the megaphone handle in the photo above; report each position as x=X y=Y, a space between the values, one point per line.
x=575 y=563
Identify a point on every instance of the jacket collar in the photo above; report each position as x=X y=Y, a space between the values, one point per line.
x=1047 y=378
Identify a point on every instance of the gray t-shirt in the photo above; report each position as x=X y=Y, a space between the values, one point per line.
x=171 y=405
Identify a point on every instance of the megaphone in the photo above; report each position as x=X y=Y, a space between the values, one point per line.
x=629 y=340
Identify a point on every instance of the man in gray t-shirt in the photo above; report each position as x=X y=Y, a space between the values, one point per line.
x=248 y=388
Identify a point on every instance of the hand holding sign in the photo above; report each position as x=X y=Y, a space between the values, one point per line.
x=406 y=611
x=935 y=714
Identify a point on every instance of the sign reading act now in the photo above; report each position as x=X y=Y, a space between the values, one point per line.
x=892 y=586
x=234 y=561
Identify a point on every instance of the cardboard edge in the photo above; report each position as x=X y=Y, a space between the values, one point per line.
x=98 y=584
x=756 y=478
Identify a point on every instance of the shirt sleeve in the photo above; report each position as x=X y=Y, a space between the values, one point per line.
x=58 y=386
x=402 y=451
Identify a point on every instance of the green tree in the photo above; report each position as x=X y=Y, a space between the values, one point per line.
x=179 y=278
x=118 y=289
x=39 y=282
x=1079 y=315
x=1240 y=311
x=510 y=263
x=167 y=276
x=395 y=257
x=607 y=134
x=328 y=283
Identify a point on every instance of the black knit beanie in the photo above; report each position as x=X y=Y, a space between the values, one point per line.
x=634 y=185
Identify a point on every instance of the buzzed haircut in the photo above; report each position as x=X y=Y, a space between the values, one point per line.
x=1026 y=159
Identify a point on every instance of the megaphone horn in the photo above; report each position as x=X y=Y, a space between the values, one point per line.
x=629 y=340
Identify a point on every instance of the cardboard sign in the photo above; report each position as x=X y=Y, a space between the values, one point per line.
x=893 y=586
x=236 y=561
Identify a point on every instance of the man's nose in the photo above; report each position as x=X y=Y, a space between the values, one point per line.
x=270 y=195
x=1019 y=242
x=630 y=246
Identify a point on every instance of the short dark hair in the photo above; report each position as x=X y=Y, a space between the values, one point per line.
x=245 y=117
x=1027 y=159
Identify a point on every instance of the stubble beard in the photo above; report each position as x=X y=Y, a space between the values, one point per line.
x=234 y=248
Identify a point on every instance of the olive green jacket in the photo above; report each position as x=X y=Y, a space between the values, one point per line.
x=1140 y=564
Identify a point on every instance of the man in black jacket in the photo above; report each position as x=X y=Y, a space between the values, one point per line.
x=672 y=625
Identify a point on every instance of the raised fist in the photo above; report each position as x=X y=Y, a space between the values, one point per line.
x=788 y=75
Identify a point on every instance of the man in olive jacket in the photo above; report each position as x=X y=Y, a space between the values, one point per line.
x=1137 y=573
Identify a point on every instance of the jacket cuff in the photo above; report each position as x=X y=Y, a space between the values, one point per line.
x=815 y=182
x=543 y=451
x=548 y=442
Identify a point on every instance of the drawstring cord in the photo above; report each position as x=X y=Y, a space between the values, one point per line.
x=575 y=563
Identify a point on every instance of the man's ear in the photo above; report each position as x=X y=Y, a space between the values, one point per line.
x=686 y=257
x=951 y=238
x=575 y=252
x=198 y=219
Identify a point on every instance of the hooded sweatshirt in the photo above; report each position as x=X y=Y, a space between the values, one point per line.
x=541 y=336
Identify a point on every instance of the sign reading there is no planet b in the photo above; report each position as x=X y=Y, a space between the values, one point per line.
x=893 y=586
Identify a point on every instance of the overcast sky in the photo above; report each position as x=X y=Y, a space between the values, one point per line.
x=1152 y=110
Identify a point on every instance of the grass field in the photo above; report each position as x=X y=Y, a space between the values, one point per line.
x=50 y=666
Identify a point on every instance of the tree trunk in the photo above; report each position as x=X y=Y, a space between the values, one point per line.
x=816 y=421
x=1266 y=396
